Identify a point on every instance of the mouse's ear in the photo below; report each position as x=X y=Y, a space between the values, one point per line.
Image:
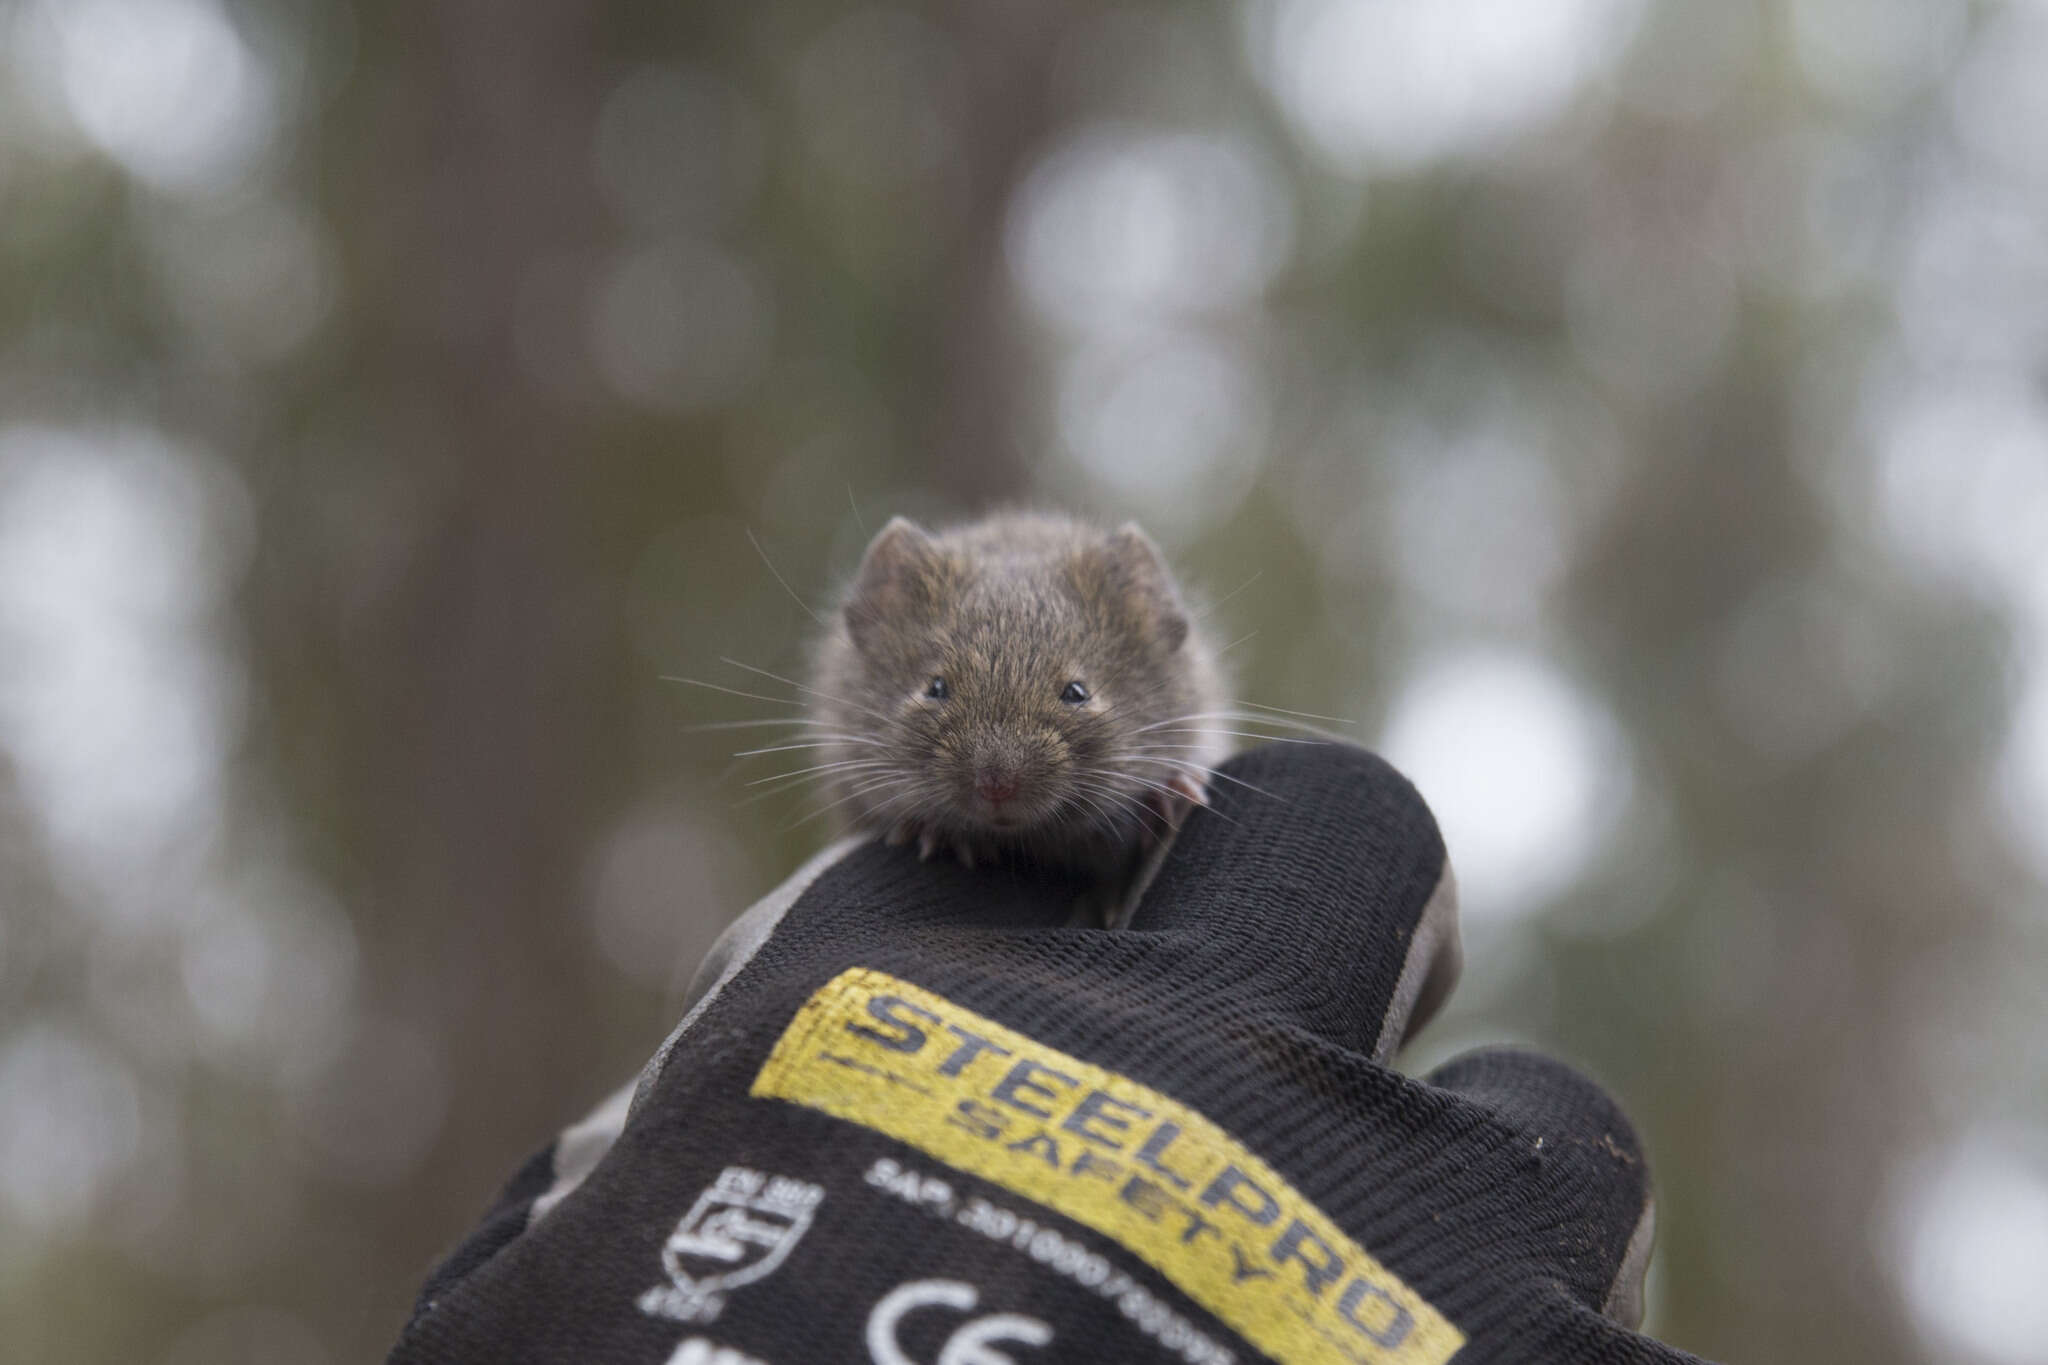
x=899 y=580
x=1145 y=573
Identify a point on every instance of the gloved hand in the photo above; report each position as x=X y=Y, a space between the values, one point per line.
x=912 y=1116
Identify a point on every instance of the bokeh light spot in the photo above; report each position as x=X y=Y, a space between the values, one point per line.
x=664 y=872
x=1999 y=102
x=1397 y=83
x=1971 y=1241
x=1523 y=770
x=70 y=1121
x=255 y=281
x=1971 y=251
x=1175 y=426
x=680 y=326
x=1874 y=51
x=167 y=88
x=269 y=972
x=1122 y=229
x=118 y=708
x=1962 y=484
x=1480 y=525
x=2022 y=781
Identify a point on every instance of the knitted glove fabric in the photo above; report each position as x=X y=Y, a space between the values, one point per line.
x=914 y=1117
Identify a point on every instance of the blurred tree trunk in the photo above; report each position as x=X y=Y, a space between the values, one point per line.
x=481 y=688
x=976 y=447
x=1784 y=1156
x=484 y=685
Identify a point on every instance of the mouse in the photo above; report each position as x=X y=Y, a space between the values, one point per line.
x=1024 y=686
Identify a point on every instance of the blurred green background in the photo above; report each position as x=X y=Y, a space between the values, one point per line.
x=1629 y=413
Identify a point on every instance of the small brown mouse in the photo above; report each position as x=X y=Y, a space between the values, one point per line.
x=1026 y=684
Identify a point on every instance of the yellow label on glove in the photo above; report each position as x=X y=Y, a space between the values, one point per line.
x=1135 y=1165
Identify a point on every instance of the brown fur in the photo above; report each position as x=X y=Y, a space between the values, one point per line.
x=1008 y=611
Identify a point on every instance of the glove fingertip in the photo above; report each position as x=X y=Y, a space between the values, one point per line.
x=1585 y=1163
x=1318 y=880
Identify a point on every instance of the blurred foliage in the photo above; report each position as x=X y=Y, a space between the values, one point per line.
x=1627 y=412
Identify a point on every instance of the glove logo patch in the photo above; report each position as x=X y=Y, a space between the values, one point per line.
x=1134 y=1164
x=740 y=1229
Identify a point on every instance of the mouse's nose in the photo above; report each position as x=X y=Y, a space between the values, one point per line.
x=995 y=785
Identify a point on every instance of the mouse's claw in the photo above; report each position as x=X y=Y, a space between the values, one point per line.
x=927 y=844
x=900 y=833
x=1190 y=788
x=964 y=851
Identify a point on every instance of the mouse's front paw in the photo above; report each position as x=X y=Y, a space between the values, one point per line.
x=931 y=841
x=966 y=848
x=1171 y=802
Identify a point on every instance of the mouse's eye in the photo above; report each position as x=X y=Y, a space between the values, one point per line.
x=937 y=690
x=1074 y=693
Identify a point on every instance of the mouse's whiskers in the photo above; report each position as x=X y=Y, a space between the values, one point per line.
x=838 y=765
x=780 y=579
x=1209 y=608
x=1203 y=770
x=1261 y=719
x=1283 y=711
x=1219 y=730
x=806 y=688
x=832 y=741
x=786 y=722
x=896 y=783
x=732 y=692
x=1171 y=793
x=1109 y=784
x=782 y=782
x=1100 y=816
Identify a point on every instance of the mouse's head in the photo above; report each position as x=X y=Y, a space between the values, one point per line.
x=1002 y=677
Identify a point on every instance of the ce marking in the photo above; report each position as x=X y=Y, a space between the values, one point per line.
x=973 y=1342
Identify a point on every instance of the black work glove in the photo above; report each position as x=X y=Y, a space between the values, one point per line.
x=915 y=1117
